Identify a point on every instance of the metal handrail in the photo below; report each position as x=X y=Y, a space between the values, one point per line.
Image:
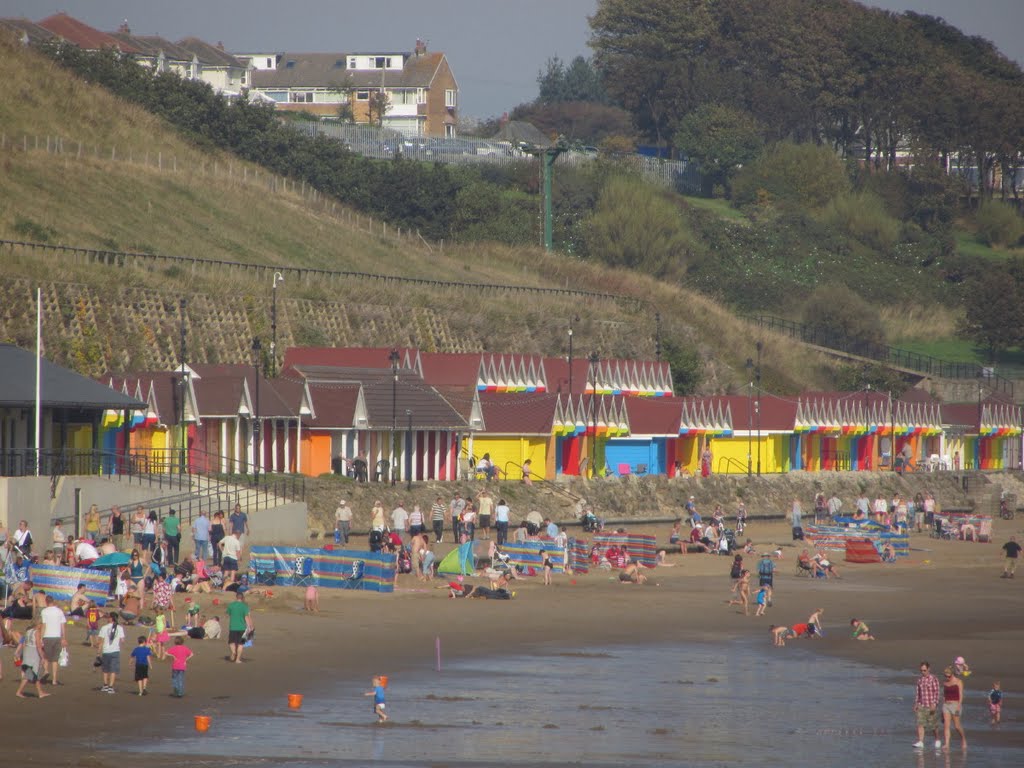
x=902 y=358
x=731 y=462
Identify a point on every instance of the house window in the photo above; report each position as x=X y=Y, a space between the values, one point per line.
x=421 y=95
x=270 y=62
x=301 y=97
x=243 y=78
x=352 y=64
x=449 y=131
x=382 y=62
x=449 y=98
x=290 y=64
x=362 y=95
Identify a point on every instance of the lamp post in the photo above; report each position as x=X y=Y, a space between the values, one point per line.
x=393 y=357
x=257 y=431
x=750 y=413
x=183 y=430
x=757 y=406
x=892 y=434
x=278 y=278
x=408 y=452
x=867 y=419
x=570 y=359
x=593 y=360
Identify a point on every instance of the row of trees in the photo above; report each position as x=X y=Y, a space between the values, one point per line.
x=719 y=77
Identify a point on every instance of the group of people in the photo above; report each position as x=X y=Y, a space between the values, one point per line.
x=942 y=701
x=897 y=513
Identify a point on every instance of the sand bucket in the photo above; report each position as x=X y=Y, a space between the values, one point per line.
x=383 y=681
x=294 y=700
x=202 y=723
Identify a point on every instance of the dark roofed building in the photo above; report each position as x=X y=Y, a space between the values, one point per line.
x=28 y=32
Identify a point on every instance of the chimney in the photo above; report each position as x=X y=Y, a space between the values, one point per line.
x=421 y=47
x=124 y=29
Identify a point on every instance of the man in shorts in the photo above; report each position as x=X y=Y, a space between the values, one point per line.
x=54 y=637
x=926 y=702
x=231 y=549
x=239 y=623
x=1012 y=550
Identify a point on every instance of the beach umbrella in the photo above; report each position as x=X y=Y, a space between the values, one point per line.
x=113 y=560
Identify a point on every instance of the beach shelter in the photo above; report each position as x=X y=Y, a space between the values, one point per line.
x=459 y=560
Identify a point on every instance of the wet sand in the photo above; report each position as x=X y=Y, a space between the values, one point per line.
x=943 y=601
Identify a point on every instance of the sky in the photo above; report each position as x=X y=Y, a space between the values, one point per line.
x=495 y=47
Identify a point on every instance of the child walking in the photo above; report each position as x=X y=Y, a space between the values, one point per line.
x=161 y=637
x=378 y=699
x=995 y=702
x=762 y=601
x=180 y=654
x=545 y=563
x=141 y=655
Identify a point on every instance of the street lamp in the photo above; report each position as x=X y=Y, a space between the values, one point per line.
x=182 y=304
x=278 y=278
x=393 y=357
x=408 y=452
x=750 y=413
x=570 y=359
x=867 y=424
x=757 y=406
x=594 y=360
x=257 y=431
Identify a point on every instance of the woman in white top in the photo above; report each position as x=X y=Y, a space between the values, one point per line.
x=112 y=635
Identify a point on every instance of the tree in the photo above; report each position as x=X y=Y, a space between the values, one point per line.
x=686 y=364
x=800 y=175
x=583 y=121
x=994 y=304
x=377 y=107
x=838 y=313
x=580 y=81
x=636 y=227
x=721 y=139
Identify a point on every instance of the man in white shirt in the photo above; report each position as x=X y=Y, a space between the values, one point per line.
x=85 y=553
x=54 y=638
x=23 y=538
x=399 y=519
x=343 y=521
x=231 y=550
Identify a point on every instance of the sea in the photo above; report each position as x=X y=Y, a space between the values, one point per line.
x=737 y=703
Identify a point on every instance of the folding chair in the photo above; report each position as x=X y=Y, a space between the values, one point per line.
x=624 y=470
x=355 y=578
x=302 y=576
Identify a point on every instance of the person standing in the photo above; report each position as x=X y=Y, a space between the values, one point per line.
x=31 y=662
x=23 y=538
x=766 y=572
x=437 y=514
x=115 y=528
x=455 y=510
x=502 y=516
x=926 y=701
x=343 y=522
x=112 y=635
x=172 y=535
x=54 y=636
x=239 y=524
x=201 y=536
x=864 y=505
x=180 y=654
x=952 y=705
x=706 y=460
x=416 y=525
x=485 y=508
x=140 y=655
x=216 y=535
x=231 y=551
x=377 y=516
x=239 y=623
x=60 y=540
x=400 y=518
x=138 y=525
x=1012 y=550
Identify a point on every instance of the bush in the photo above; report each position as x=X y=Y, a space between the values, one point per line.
x=999 y=224
x=792 y=175
x=863 y=216
x=840 y=315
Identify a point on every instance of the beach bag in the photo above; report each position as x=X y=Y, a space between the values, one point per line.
x=798 y=533
x=65 y=658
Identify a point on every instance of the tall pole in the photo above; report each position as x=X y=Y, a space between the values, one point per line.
x=37 y=431
x=750 y=414
x=570 y=359
x=272 y=362
x=393 y=357
x=184 y=392
x=867 y=419
x=892 y=434
x=657 y=336
x=408 y=452
x=594 y=360
x=757 y=406
x=257 y=432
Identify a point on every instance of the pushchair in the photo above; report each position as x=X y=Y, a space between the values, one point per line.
x=592 y=523
x=730 y=538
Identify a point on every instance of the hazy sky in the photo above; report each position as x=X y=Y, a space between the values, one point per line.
x=495 y=47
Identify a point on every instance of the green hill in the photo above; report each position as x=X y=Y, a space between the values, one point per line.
x=84 y=169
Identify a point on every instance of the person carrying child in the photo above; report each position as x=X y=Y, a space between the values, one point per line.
x=180 y=654
x=141 y=655
x=378 y=699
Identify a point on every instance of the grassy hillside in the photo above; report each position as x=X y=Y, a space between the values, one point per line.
x=123 y=181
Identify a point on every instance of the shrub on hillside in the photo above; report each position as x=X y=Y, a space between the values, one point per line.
x=999 y=224
x=843 y=318
x=792 y=175
x=863 y=216
x=636 y=227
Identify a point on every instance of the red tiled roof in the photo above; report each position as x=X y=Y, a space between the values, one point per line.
x=777 y=414
x=344 y=357
x=335 y=404
x=961 y=414
x=654 y=416
x=82 y=35
x=519 y=414
x=450 y=369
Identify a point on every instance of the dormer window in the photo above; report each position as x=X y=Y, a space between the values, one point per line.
x=382 y=62
x=290 y=64
x=352 y=64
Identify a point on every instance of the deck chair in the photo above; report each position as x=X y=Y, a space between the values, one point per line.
x=625 y=470
x=303 y=575
x=355 y=577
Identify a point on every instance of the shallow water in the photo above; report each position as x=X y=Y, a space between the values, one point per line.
x=649 y=706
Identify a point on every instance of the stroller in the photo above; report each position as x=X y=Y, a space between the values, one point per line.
x=592 y=523
x=729 y=537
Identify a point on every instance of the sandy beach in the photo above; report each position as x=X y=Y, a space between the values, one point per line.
x=945 y=600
